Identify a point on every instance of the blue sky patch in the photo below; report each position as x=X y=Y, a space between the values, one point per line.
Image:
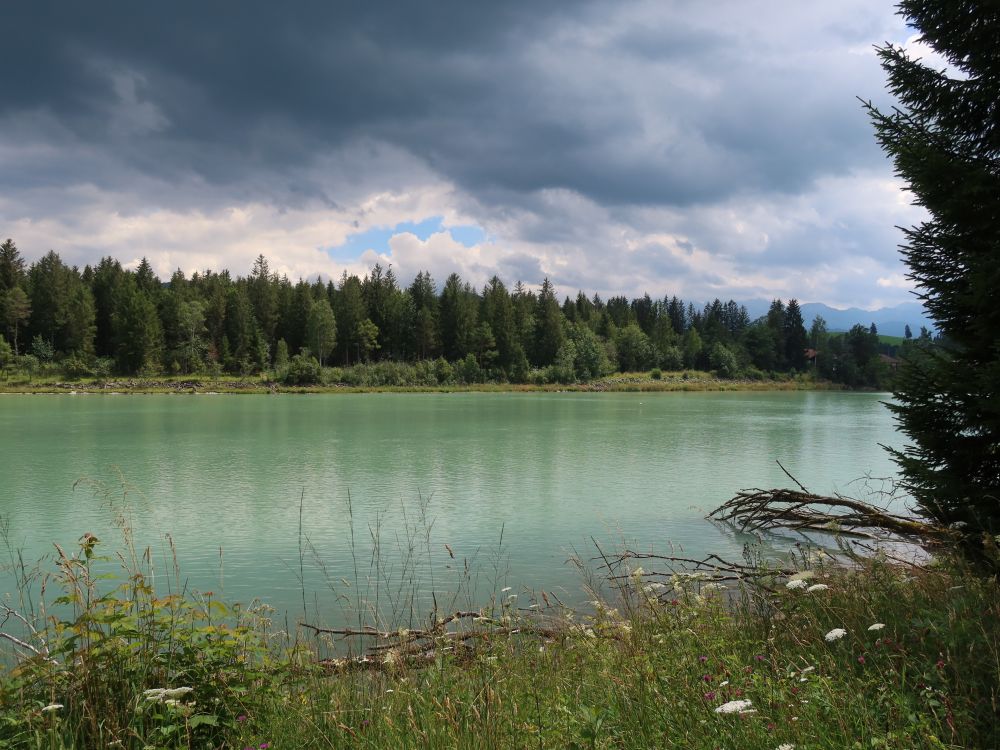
x=377 y=238
x=467 y=234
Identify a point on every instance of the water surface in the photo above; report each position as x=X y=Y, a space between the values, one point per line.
x=224 y=476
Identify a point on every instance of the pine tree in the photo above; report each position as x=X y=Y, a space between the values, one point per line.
x=350 y=312
x=16 y=311
x=459 y=318
x=11 y=266
x=795 y=337
x=262 y=292
x=105 y=279
x=137 y=332
x=944 y=139
x=498 y=313
x=549 y=334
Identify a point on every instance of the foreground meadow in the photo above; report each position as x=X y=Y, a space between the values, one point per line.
x=884 y=655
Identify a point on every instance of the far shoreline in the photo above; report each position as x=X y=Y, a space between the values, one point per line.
x=620 y=383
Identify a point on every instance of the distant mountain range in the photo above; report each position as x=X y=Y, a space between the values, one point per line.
x=891 y=321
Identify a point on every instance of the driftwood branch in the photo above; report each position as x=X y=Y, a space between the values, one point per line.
x=390 y=634
x=423 y=644
x=42 y=652
x=758 y=510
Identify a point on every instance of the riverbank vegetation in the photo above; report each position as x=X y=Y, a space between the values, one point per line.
x=397 y=377
x=796 y=653
x=107 y=321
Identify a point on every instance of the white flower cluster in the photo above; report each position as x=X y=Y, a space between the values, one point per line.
x=166 y=695
x=835 y=635
x=735 y=707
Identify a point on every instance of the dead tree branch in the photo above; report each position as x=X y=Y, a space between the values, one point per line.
x=392 y=648
x=757 y=510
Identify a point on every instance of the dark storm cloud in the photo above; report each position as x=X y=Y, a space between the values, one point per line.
x=612 y=145
x=245 y=94
x=240 y=87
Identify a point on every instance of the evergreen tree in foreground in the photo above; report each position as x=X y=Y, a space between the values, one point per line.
x=945 y=141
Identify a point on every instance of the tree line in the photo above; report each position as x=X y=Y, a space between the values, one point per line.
x=106 y=319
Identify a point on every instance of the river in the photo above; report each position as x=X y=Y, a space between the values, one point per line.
x=288 y=498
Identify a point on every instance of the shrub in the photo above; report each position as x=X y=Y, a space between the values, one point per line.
x=723 y=361
x=303 y=369
x=75 y=367
x=443 y=371
x=468 y=370
x=672 y=358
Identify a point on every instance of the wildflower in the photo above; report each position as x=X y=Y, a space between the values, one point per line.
x=707 y=677
x=807 y=670
x=835 y=635
x=817 y=587
x=861 y=659
x=703 y=659
x=723 y=683
x=796 y=583
x=877 y=626
x=177 y=692
x=710 y=695
x=734 y=707
x=759 y=657
x=785 y=746
x=940 y=664
x=52 y=707
x=241 y=718
x=505 y=589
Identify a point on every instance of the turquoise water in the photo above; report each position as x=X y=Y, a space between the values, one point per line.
x=514 y=484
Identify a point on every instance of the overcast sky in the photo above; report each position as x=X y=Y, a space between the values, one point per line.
x=618 y=146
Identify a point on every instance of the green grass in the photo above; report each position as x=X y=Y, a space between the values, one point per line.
x=681 y=380
x=647 y=670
